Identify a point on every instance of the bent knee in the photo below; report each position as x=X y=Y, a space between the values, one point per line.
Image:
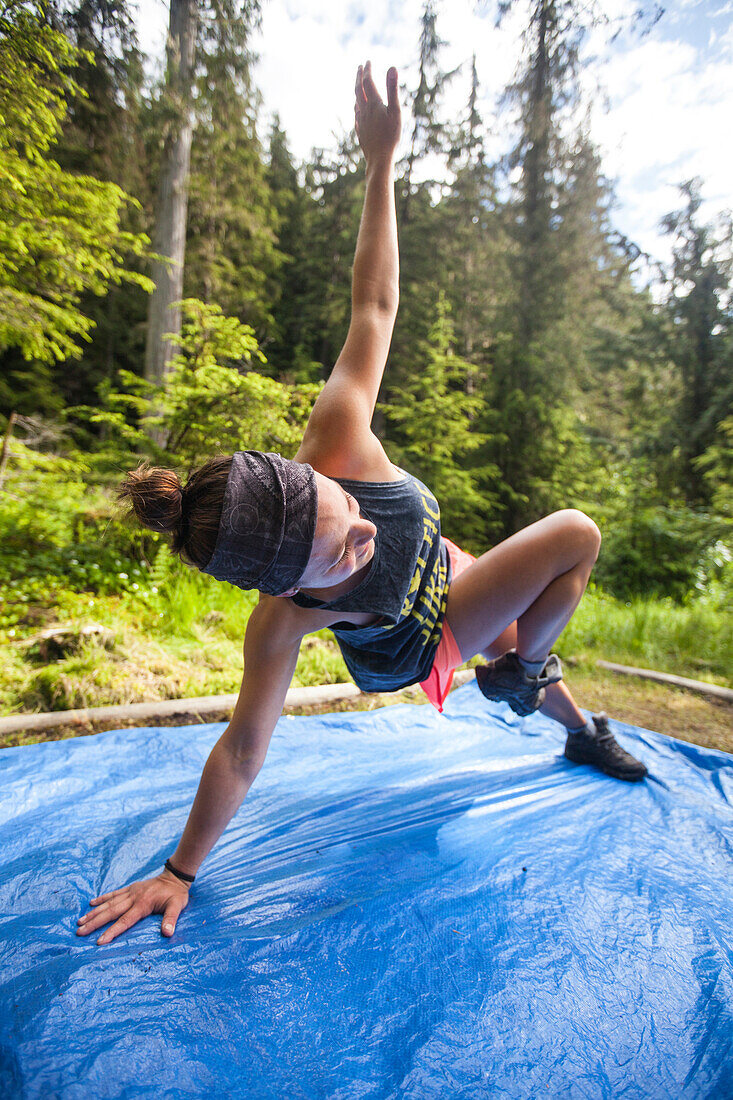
x=583 y=530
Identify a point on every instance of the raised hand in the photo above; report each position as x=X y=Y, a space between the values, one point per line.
x=164 y=894
x=378 y=125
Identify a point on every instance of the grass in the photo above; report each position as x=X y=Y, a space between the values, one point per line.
x=693 y=640
x=179 y=634
x=680 y=714
x=179 y=638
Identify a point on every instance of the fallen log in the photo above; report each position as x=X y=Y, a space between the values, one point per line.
x=198 y=708
x=715 y=690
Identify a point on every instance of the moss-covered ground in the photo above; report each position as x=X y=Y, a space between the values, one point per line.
x=176 y=634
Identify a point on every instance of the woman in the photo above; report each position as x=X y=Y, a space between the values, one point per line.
x=341 y=538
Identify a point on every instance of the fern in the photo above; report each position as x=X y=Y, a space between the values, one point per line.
x=162 y=567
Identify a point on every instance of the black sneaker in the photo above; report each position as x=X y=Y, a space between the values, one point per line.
x=602 y=750
x=507 y=681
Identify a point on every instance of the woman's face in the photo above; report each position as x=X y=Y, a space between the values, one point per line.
x=343 y=542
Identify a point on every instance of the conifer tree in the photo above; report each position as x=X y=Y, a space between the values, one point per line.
x=103 y=136
x=101 y=132
x=290 y=345
x=231 y=237
x=701 y=334
x=716 y=467
x=428 y=134
x=474 y=243
x=61 y=232
x=555 y=209
x=438 y=433
x=418 y=213
x=207 y=74
x=169 y=240
x=335 y=186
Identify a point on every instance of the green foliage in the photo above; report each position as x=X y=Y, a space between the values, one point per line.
x=294 y=337
x=209 y=404
x=104 y=135
x=60 y=534
x=428 y=134
x=650 y=548
x=327 y=224
x=701 y=332
x=693 y=640
x=231 y=247
x=101 y=133
x=716 y=465
x=438 y=439
x=655 y=550
x=59 y=233
x=566 y=287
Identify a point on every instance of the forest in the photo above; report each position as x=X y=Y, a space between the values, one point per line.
x=174 y=285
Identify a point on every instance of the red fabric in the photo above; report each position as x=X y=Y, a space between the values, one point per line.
x=447 y=655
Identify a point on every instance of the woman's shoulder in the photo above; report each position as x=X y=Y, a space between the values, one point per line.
x=346 y=463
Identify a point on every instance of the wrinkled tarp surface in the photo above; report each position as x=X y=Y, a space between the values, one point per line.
x=406 y=905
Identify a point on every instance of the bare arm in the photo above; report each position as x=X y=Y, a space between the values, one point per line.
x=271 y=650
x=270 y=657
x=375 y=289
x=346 y=404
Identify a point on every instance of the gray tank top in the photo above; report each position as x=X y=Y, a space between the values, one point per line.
x=406 y=585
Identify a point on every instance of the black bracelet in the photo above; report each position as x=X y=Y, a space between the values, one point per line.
x=179 y=874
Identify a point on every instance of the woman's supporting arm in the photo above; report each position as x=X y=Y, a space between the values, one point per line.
x=224 y=783
x=270 y=655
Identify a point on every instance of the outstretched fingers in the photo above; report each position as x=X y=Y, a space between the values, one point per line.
x=107 y=911
x=107 y=897
x=360 y=99
x=359 y=88
x=393 y=100
x=370 y=88
x=133 y=914
x=96 y=916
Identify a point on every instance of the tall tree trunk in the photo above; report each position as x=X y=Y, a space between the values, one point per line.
x=535 y=204
x=170 y=222
x=6 y=445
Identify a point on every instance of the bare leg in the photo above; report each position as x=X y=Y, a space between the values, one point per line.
x=520 y=595
x=544 y=621
x=534 y=579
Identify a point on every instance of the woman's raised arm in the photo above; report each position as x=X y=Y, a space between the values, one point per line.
x=345 y=407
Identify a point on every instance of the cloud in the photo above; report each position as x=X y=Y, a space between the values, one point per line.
x=668 y=121
x=309 y=51
x=670 y=88
x=151 y=17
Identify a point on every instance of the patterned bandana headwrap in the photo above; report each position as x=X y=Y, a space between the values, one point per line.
x=267 y=523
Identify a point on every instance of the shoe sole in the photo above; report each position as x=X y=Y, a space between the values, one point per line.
x=503 y=695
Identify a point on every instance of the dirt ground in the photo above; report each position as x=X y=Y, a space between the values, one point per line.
x=678 y=713
x=673 y=711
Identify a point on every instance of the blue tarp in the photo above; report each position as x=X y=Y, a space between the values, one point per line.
x=406 y=905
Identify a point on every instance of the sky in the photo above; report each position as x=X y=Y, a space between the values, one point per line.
x=659 y=95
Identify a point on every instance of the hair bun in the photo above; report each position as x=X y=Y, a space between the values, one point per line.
x=156 y=497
